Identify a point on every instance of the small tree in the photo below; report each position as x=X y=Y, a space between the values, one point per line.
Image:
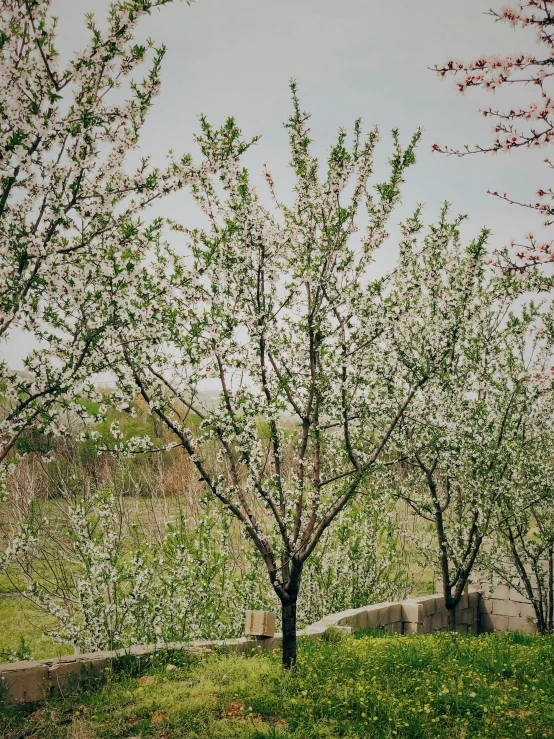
x=281 y=310
x=523 y=126
x=459 y=445
x=522 y=551
x=69 y=212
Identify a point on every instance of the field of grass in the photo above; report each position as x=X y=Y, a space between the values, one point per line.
x=442 y=686
x=19 y=620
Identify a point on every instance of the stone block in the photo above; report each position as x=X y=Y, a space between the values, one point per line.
x=432 y=604
x=517 y=597
x=200 y=646
x=236 y=645
x=485 y=605
x=64 y=676
x=389 y=613
x=500 y=592
x=499 y=623
x=412 y=611
x=249 y=645
x=266 y=643
x=473 y=598
x=315 y=630
x=462 y=628
x=485 y=623
x=328 y=621
x=373 y=617
x=412 y=627
x=438 y=621
x=425 y=627
x=95 y=668
x=356 y=618
x=106 y=654
x=521 y=624
x=484 y=589
x=466 y=616
x=260 y=623
x=527 y=611
x=395 y=627
x=26 y=682
x=141 y=650
x=359 y=621
x=506 y=608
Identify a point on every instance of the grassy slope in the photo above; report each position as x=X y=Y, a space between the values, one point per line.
x=498 y=686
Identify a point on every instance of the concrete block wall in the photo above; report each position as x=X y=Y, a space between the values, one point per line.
x=422 y=615
x=432 y=614
x=503 y=608
x=30 y=681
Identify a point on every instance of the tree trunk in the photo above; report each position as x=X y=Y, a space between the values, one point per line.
x=289 y=597
x=452 y=599
x=289 y=633
x=451 y=618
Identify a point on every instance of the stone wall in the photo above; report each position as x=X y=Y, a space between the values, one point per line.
x=422 y=615
x=504 y=609
x=481 y=608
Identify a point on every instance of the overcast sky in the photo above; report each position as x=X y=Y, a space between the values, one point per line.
x=350 y=58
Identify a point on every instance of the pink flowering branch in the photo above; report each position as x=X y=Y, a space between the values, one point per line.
x=519 y=127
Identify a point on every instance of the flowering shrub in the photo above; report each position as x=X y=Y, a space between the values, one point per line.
x=109 y=583
x=521 y=552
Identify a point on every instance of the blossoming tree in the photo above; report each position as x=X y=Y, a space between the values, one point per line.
x=69 y=209
x=524 y=126
x=462 y=439
x=521 y=554
x=281 y=310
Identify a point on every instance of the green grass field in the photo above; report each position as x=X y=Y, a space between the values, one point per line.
x=20 y=619
x=442 y=686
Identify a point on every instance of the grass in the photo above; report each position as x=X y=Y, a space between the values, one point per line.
x=19 y=619
x=441 y=686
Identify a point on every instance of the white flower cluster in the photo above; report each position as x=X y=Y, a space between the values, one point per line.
x=70 y=230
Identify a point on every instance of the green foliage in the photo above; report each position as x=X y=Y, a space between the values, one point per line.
x=23 y=652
